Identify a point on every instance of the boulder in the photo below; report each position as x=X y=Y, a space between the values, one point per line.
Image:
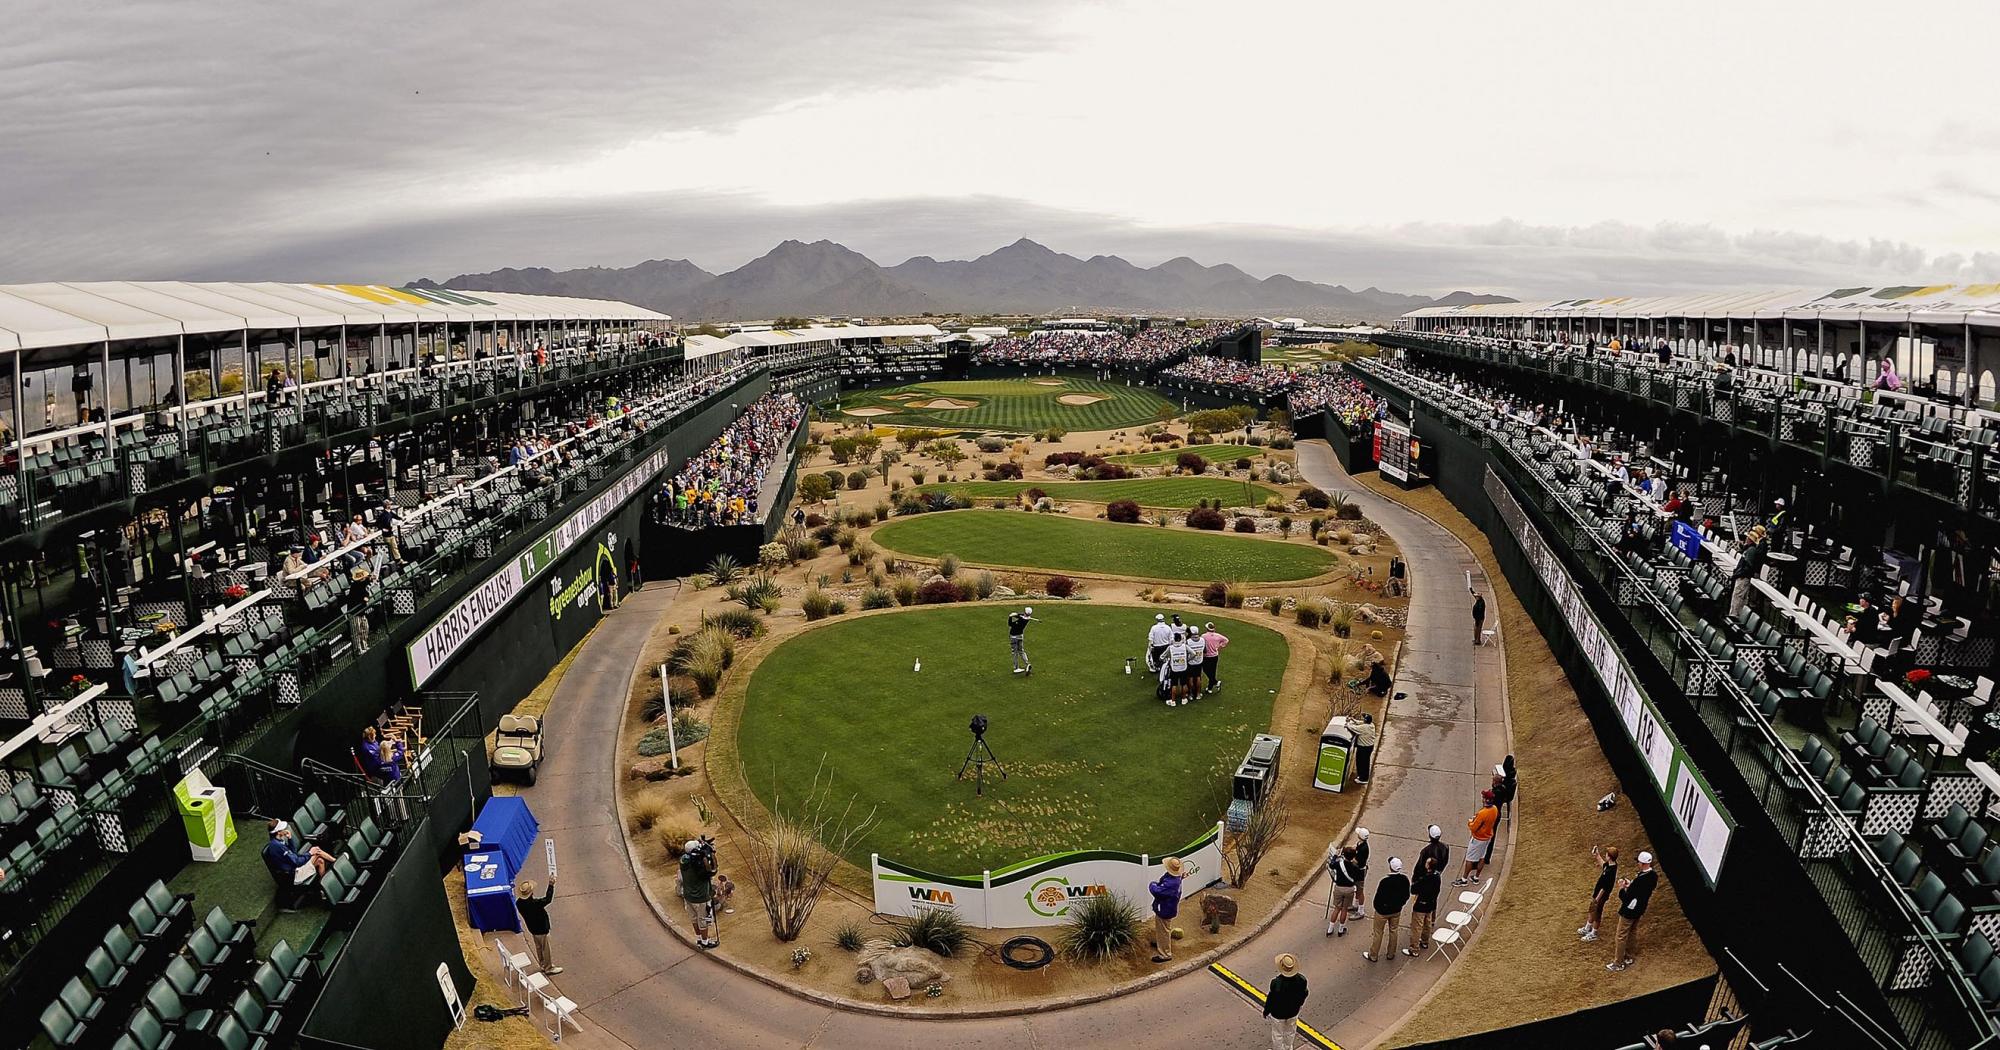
x=897 y=987
x=1218 y=911
x=917 y=967
x=649 y=769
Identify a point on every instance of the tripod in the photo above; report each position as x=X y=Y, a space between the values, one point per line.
x=976 y=758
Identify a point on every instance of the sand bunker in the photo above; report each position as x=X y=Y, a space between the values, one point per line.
x=1048 y=382
x=899 y=397
x=870 y=412
x=1081 y=399
x=943 y=402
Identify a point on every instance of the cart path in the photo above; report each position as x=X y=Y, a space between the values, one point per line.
x=639 y=986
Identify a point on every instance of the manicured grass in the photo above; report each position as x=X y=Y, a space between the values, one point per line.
x=1213 y=453
x=1149 y=492
x=1092 y=760
x=1065 y=544
x=1011 y=405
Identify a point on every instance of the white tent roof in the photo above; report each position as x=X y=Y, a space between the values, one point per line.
x=34 y=316
x=1977 y=304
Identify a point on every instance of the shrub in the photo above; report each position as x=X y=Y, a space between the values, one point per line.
x=647 y=810
x=1342 y=620
x=723 y=568
x=1102 y=471
x=1215 y=420
x=1244 y=524
x=1337 y=500
x=1205 y=518
x=1275 y=605
x=688 y=729
x=1275 y=503
x=1243 y=463
x=834 y=479
x=848 y=937
x=845 y=537
x=917 y=475
x=1233 y=595
x=877 y=598
x=1060 y=586
x=839 y=608
x=842 y=450
x=948 y=566
x=1007 y=472
x=701 y=581
x=802 y=548
x=1315 y=526
x=1281 y=442
x=826 y=533
x=857 y=479
x=1284 y=525
x=756 y=592
x=1034 y=496
x=862 y=551
x=813 y=488
x=938 y=591
x=814 y=521
x=655 y=706
x=933 y=929
x=737 y=622
x=1351 y=512
x=1124 y=510
x=907 y=505
x=772 y=556
x=990 y=443
x=983 y=585
x=1308 y=615
x=1214 y=594
x=860 y=518
x=816 y=604
x=1191 y=462
x=1314 y=498
x=968 y=589
x=1101 y=928
x=883 y=510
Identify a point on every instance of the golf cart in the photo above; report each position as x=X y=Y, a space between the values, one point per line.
x=517 y=747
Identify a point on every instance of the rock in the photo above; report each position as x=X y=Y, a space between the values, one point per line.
x=917 y=967
x=1003 y=591
x=897 y=987
x=649 y=769
x=1218 y=911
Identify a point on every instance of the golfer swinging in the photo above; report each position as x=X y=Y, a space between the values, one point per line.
x=1017 y=638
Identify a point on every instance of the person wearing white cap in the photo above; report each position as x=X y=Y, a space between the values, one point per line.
x=1282 y=1002
x=1345 y=878
x=1157 y=639
x=1391 y=895
x=1017 y=638
x=1435 y=848
x=288 y=866
x=1360 y=865
x=1633 y=896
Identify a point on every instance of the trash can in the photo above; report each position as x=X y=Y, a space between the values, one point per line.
x=1336 y=747
x=204 y=810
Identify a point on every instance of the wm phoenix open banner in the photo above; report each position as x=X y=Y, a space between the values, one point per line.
x=436 y=646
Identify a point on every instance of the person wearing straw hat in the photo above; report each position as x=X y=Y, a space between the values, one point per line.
x=1282 y=1002
x=1633 y=896
x=534 y=909
x=1166 y=892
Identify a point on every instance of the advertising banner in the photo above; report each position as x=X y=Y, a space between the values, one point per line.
x=1040 y=892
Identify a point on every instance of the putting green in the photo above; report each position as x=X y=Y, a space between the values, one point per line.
x=1064 y=544
x=1013 y=405
x=1092 y=760
x=1149 y=492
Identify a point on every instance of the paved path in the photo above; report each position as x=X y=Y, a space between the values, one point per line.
x=639 y=986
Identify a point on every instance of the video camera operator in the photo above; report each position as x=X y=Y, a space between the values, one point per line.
x=697 y=889
x=1017 y=638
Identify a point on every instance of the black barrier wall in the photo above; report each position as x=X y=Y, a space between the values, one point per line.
x=1617 y=1023
x=672 y=552
x=1761 y=875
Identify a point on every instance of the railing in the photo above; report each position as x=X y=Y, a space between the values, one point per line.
x=1891 y=938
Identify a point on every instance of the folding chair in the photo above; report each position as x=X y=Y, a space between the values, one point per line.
x=561 y=1010
x=1471 y=898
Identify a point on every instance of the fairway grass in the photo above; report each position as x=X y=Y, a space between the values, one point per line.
x=1019 y=406
x=1212 y=453
x=1092 y=760
x=1064 y=544
x=1148 y=492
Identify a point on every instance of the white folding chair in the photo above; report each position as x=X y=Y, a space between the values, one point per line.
x=1444 y=940
x=1471 y=898
x=561 y=1010
x=513 y=965
x=1984 y=690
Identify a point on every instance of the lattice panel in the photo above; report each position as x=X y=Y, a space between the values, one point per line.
x=97 y=653
x=403 y=601
x=1948 y=788
x=1879 y=708
x=135 y=480
x=1860 y=451
x=1825 y=837
x=117 y=712
x=110 y=832
x=1787 y=428
x=1887 y=811
x=288 y=689
x=1913 y=969
x=14 y=703
x=1702 y=678
x=1725 y=410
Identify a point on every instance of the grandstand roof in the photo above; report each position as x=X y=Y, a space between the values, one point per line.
x=812 y=334
x=1896 y=304
x=53 y=314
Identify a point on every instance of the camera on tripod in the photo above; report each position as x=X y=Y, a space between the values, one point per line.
x=978 y=727
x=979 y=756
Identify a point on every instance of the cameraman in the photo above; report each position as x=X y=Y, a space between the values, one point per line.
x=697 y=889
x=1017 y=638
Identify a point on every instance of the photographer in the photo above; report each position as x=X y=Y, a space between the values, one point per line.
x=697 y=889
x=1017 y=638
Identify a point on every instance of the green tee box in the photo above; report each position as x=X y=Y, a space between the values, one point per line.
x=204 y=810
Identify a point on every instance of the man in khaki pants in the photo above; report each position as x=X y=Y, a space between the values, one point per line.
x=1391 y=894
x=1633 y=895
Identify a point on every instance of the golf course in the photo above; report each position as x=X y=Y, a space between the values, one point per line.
x=1016 y=406
x=1064 y=544
x=1092 y=760
x=1178 y=492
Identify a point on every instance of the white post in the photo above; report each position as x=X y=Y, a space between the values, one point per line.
x=986 y=901
x=667 y=695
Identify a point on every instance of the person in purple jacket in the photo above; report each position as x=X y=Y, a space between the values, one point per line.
x=1166 y=892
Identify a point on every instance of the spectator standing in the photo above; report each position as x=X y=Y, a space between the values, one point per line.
x=1166 y=891
x=1424 y=889
x=1345 y=877
x=535 y=917
x=1391 y=895
x=1748 y=557
x=1633 y=896
x=1478 y=617
x=1360 y=867
x=1480 y=845
x=1505 y=783
x=1282 y=1002
x=1436 y=850
x=1365 y=737
x=1607 y=883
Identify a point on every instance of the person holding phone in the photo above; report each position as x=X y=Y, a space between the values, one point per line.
x=1607 y=882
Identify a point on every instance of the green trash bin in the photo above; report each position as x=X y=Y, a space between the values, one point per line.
x=204 y=810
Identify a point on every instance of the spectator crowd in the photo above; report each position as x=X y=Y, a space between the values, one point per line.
x=1146 y=348
x=720 y=485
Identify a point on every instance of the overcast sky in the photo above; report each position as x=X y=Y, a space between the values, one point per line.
x=1530 y=148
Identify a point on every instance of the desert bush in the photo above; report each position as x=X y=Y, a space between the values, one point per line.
x=1351 y=512
x=883 y=510
x=845 y=538
x=934 y=930
x=1007 y=472
x=701 y=581
x=1191 y=462
x=1342 y=620
x=1205 y=518
x=848 y=936
x=860 y=518
x=968 y=589
x=1285 y=525
x=1243 y=463
x=1275 y=503
x=738 y=622
x=688 y=729
x=655 y=705
x=835 y=480
x=815 y=604
x=990 y=443
x=939 y=591
x=646 y=810
x=1275 y=605
x=802 y=548
x=877 y=598
x=1244 y=524
x=814 y=521
x=1233 y=595
x=1214 y=594
x=983 y=585
x=1102 y=928
x=825 y=533
x=1307 y=615
x=1281 y=442
x=857 y=479
x=1314 y=498
x=723 y=568
x=948 y=566
x=1060 y=587
x=917 y=475
x=772 y=556
x=814 y=488
x=1123 y=510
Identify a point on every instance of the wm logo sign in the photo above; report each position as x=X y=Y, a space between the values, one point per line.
x=931 y=896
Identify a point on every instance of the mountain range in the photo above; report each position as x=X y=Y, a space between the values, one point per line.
x=825 y=278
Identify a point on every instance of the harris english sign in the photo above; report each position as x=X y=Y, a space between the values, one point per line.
x=443 y=640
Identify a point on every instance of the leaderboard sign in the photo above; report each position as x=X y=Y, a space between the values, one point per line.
x=435 y=647
x=1697 y=814
x=1396 y=451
